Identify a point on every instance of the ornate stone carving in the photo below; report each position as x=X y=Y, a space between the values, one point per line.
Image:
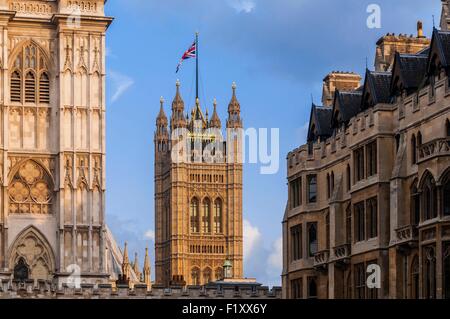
x=32 y=251
x=39 y=8
x=82 y=170
x=82 y=50
x=83 y=6
x=96 y=52
x=30 y=191
x=97 y=172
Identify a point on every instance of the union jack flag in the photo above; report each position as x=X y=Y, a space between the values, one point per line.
x=190 y=53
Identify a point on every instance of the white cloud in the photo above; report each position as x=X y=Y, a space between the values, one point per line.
x=276 y=256
x=150 y=234
x=246 y=6
x=252 y=238
x=109 y=53
x=120 y=83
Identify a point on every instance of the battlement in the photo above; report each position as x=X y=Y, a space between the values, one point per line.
x=42 y=289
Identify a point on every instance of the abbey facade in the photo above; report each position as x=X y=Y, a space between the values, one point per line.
x=52 y=140
x=198 y=195
x=370 y=191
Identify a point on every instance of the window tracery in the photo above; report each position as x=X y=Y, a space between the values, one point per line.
x=30 y=191
x=30 y=80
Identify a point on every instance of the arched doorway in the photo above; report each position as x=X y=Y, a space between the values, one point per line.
x=31 y=256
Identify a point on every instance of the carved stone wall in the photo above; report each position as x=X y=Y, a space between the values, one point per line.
x=53 y=91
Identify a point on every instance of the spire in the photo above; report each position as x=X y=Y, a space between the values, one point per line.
x=161 y=134
x=146 y=271
x=177 y=120
x=125 y=254
x=161 y=120
x=215 y=120
x=126 y=269
x=136 y=266
x=197 y=115
x=234 y=111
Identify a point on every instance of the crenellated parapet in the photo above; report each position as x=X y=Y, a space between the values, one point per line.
x=48 y=8
x=46 y=290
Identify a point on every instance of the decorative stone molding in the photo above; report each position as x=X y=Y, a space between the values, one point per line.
x=33 y=8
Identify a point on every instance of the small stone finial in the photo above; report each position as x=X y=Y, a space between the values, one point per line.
x=420 y=29
x=161 y=100
x=125 y=253
x=215 y=103
x=178 y=84
x=197 y=101
x=234 y=86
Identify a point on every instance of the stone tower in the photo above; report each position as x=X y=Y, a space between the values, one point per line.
x=389 y=44
x=198 y=199
x=52 y=139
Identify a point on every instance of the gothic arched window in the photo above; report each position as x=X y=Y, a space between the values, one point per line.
x=206 y=219
x=430 y=273
x=219 y=273
x=415 y=205
x=446 y=196
x=195 y=222
x=30 y=80
x=415 y=278
x=328 y=186
x=312 y=239
x=206 y=276
x=446 y=265
x=414 y=149
x=332 y=182
x=195 y=277
x=312 y=188
x=429 y=198
x=349 y=178
x=348 y=225
x=312 y=288
x=218 y=216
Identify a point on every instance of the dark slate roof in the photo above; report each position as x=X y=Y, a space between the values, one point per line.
x=323 y=120
x=381 y=82
x=412 y=69
x=443 y=38
x=350 y=104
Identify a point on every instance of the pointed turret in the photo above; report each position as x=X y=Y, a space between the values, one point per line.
x=126 y=268
x=177 y=120
x=234 y=111
x=147 y=271
x=215 y=120
x=161 y=120
x=162 y=132
x=136 y=269
x=198 y=120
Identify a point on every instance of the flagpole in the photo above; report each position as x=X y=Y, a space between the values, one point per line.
x=196 y=66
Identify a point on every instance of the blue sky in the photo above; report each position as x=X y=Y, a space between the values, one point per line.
x=278 y=52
